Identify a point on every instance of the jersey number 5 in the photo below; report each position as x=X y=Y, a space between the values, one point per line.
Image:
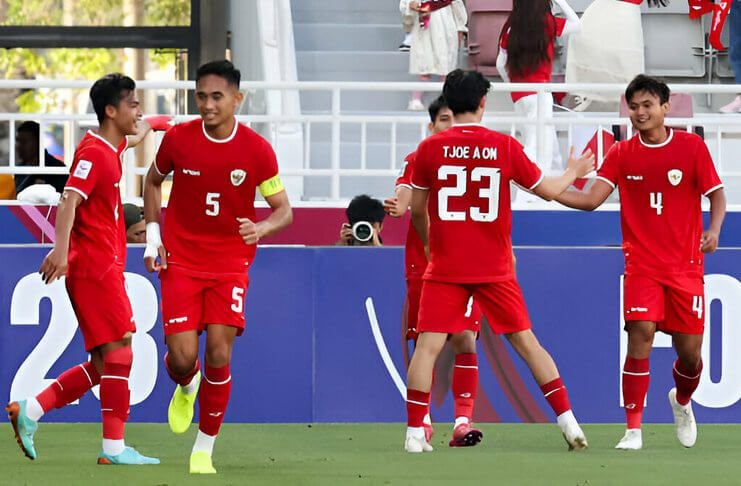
x=490 y=193
x=212 y=204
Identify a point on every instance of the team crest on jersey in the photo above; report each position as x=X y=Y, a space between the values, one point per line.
x=238 y=176
x=675 y=176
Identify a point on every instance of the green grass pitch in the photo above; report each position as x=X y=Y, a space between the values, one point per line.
x=339 y=454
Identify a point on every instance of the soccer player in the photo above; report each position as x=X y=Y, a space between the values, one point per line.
x=462 y=180
x=90 y=248
x=209 y=242
x=662 y=174
x=466 y=368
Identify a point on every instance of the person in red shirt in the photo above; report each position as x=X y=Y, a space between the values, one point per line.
x=661 y=174
x=90 y=249
x=526 y=56
x=208 y=245
x=466 y=370
x=461 y=211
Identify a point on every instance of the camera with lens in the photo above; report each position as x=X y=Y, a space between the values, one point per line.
x=365 y=221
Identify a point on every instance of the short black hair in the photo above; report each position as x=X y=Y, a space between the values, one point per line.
x=463 y=90
x=436 y=106
x=365 y=208
x=110 y=90
x=224 y=69
x=29 y=127
x=649 y=85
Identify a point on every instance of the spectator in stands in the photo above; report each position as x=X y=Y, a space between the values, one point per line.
x=608 y=49
x=526 y=56
x=135 y=226
x=437 y=32
x=364 y=222
x=407 y=22
x=734 y=53
x=27 y=154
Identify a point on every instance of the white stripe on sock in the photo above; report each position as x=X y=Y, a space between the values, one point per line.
x=86 y=374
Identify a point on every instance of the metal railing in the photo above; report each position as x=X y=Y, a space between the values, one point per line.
x=720 y=130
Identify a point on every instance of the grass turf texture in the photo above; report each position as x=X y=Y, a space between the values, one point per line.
x=510 y=454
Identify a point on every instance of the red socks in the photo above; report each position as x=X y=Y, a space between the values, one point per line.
x=686 y=381
x=418 y=403
x=555 y=393
x=213 y=398
x=636 y=377
x=465 y=383
x=185 y=379
x=69 y=386
x=720 y=12
x=114 y=391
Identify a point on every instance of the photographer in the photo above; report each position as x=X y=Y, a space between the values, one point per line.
x=364 y=222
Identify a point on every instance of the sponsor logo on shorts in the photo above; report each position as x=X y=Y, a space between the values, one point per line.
x=638 y=309
x=178 y=320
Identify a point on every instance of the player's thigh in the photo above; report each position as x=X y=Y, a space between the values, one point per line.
x=643 y=299
x=503 y=305
x=224 y=302
x=685 y=306
x=441 y=306
x=102 y=308
x=414 y=293
x=182 y=301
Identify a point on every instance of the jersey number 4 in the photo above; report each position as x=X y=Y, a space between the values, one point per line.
x=656 y=202
x=489 y=193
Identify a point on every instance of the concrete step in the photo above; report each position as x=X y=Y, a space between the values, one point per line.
x=347 y=12
x=347 y=37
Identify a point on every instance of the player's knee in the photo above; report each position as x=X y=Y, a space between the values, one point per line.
x=181 y=362
x=464 y=343
x=218 y=355
x=122 y=356
x=690 y=360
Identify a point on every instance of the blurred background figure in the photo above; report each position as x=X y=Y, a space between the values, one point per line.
x=135 y=225
x=364 y=222
x=608 y=49
x=526 y=56
x=437 y=33
x=27 y=154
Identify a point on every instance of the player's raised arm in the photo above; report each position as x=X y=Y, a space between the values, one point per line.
x=157 y=123
x=396 y=206
x=586 y=200
x=551 y=187
x=54 y=265
x=710 y=236
x=152 y=214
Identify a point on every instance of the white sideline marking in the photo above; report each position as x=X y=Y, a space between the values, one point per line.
x=382 y=350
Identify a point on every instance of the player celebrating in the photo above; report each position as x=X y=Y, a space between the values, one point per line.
x=661 y=174
x=210 y=239
x=90 y=248
x=466 y=368
x=462 y=179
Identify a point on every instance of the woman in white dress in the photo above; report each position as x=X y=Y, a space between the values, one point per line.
x=437 y=32
x=609 y=48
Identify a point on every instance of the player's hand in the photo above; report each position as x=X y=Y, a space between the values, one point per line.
x=54 y=266
x=159 y=123
x=248 y=231
x=345 y=234
x=391 y=206
x=154 y=249
x=582 y=165
x=155 y=259
x=709 y=241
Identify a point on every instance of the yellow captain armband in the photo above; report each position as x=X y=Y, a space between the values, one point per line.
x=271 y=186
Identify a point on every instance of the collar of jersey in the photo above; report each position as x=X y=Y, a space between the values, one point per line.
x=658 y=145
x=103 y=140
x=480 y=125
x=224 y=140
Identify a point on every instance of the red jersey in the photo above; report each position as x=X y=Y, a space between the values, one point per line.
x=98 y=237
x=214 y=183
x=415 y=259
x=468 y=169
x=660 y=190
x=543 y=72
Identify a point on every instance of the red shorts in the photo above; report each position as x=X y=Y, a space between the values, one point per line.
x=501 y=302
x=675 y=304
x=102 y=307
x=470 y=317
x=192 y=302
